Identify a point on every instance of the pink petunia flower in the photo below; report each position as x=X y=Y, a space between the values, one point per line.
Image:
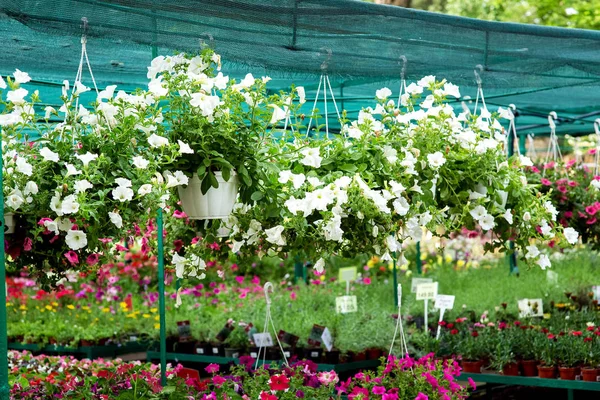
x=72 y=257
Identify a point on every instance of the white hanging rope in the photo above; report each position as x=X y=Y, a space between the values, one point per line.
x=553 y=152
x=399 y=328
x=512 y=130
x=479 y=89
x=531 y=151
x=402 y=80
x=314 y=107
x=268 y=319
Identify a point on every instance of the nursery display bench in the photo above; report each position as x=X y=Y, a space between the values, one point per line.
x=502 y=380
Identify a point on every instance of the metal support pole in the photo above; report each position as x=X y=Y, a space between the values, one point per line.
x=4 y=388
x=161 y=299
x=299 y=268
x=395 y=276
x=419 y=262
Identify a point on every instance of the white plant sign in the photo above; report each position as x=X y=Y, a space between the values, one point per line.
x=530 y=308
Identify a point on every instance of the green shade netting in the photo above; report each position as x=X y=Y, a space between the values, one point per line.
x=539 y=69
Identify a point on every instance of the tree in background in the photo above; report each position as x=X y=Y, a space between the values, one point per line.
x=584 y=14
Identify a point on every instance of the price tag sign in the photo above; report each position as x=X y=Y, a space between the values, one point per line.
x=530 y=308
x=552 y=277
x=327 y=339
x=263 y=339
x=347 y=274
x=345 y=304
x=416 y=282
x=444 y=301
x=427 y=291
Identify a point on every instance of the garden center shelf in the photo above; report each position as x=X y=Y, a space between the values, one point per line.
x=179 y=357
x=91 y=352
x=570 y=386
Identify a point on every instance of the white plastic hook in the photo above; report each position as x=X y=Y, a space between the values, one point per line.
x=403 y=71
x=597 y=126
x=325 y=63
x=551 y=118
x=477 y=74
x=266 y=288
x=84 y=27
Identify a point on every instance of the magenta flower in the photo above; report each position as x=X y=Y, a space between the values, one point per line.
x=293 y=296
x=568 y=214
x=591 y=210
x=72 y=257
x=546 y=182
x=179 y=214
x=422 y=396
x=92 y=259
x=562 y=189
x=212 y=368
x=27 y=244
x=378 y=390
x=472 y=383
x=390 y=396
x=591 y=221
x=367 y=281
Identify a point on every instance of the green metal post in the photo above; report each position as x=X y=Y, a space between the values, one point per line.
x=419 y=262
x=512 y=257
x=395 y=276
x=299 y=268
x=161 y=299
x=4 y=388
x=523 y=144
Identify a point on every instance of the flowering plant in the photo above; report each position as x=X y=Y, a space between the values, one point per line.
x=395 y=172
x=90 y=182
x=574 y=190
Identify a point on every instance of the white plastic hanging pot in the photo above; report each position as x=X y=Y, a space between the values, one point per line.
x=9 y=223
x=217 y=203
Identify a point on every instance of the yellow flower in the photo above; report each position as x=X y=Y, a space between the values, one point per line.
x=156 y=318
x=85 y=308
x=55 y=304
x=547 y=315
x=71 y=307
x=448 y=258
x=106 y=309
x=49 y=307
x=146 y=315
x=460 y=263
x=132 y=315
x=156 y=326
x=153 y=309
x=322 y=277
x=23 y=307
x=123 y=304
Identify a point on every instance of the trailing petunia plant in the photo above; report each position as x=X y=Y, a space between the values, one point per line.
x=396 y=172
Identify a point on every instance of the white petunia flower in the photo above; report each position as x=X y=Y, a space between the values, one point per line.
x=21 y=77
x=320 y=266
x=551 y=209
x=478 y=213
x=237 y=245
x=140 y=162
x=436 y=159
x=532 y=251
x=52 y=226
x=24 y=167
x=157 y=141
x=69 y=205
x=274 y=235
x=49 y=155
x=526 y=216
x=30 y=188
x=80 y=88
x=116 y=219
x=487 y=222
x=2 y=83
x=312 y=157
x=184 y=148
x=82 y=186
x=76 y=239
x=390 y=154
x=17 y=97
x=206 y=104
x=383 y=93
x=571 y=235
x=71 y=170
x=122 y=194
x=425 y=82
x=451 y=90
x=86 y=158
x=301 y=94
x=123 y=182
x=508 y=216
x=544 y=261
x=526 y=161
x=569 y=11
x=15 y=199
x=48 y=111
x=278 y=113
x=145 y=189
x=401 y=206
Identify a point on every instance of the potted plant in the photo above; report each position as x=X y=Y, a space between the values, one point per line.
x=591 y=353
x=525 y=350
x=545 y=348
x=219 y=127
x=471 y=349
x=570 y=351
x=503 y=356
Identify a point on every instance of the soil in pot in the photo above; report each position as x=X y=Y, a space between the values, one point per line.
x=546 y=372
x=511 y=369
x=589 y=374
x=567 y=374
x=472 y=367
x=529 y=368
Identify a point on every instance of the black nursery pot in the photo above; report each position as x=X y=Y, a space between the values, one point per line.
x=184 y=347
x=217 y=350
x=332 y=357
x=203 y=349
x=313 y=354
x=232 y=352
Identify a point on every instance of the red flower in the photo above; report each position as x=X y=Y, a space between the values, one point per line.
x=450 y=325
x=587 y=339
x=267 y=396
x=517 y=323
x=279 y=382
x=474 y=334
x=551 y=336
x=454 y=332
x=577 y=333
x=442 y=323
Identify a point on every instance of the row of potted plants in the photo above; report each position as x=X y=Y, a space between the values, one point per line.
x=62 y=377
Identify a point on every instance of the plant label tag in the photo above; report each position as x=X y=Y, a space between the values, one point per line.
x=530 y=308
x=345 y=304
x=185 y=332
x=314 y=339
x=133 y=338
x=199 y=350
x=263 y=339
x=552 y=277
x=347 y=274
x=444 y=301
x=596 y=291
x=215 y=350
x=327 y=339
x=287 y=338
x=427 y=291
x=416 y=282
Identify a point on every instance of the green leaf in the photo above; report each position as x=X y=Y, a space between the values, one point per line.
x=201 y=171
x=226 y=174
x=213 y=180
x=348 y=167
x=256 y=196
x=206 y=183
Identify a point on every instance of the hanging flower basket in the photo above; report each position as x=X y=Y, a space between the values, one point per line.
x=9 y=222
x=217 y=203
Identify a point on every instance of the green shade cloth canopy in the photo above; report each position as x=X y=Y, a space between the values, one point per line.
x=539 y=69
